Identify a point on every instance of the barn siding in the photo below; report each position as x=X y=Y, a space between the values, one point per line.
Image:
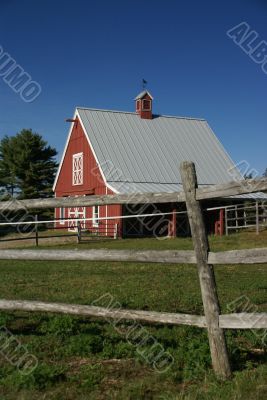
x=93 y=182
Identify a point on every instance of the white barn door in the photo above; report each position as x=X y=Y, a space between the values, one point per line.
x=73 y=214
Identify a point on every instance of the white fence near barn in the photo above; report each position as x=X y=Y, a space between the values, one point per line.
x=242 y=216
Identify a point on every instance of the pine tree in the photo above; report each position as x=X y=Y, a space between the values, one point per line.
x=27 y=165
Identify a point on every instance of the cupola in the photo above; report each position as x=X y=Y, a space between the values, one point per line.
x=143 y=105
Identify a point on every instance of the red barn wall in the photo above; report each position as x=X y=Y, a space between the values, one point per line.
x=93 y=182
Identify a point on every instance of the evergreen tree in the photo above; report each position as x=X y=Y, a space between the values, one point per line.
x=27 y=165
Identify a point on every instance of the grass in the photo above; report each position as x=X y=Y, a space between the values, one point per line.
x=242 y=240
x=81 y=358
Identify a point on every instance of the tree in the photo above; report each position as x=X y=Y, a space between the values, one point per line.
x=27 y=165
x=265 y=173
x=249 y=176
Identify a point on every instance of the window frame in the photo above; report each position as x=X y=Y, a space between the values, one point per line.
x=95 y=216
x=150 y=105
x=78 y=171
x=62 y=215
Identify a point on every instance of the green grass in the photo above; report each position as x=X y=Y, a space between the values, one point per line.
x=242 y=240
x=81 y=358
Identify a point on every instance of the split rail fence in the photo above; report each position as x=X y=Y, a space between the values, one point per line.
x=212 y=320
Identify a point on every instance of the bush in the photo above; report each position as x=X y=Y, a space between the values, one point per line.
x=42 y=377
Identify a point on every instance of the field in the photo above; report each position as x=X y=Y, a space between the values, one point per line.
x=82 y=358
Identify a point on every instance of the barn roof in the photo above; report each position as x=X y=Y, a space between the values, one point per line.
x=139 y=155
x=142 y=94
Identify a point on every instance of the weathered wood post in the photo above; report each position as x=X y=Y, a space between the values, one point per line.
x=116 y=231
x=218 y=349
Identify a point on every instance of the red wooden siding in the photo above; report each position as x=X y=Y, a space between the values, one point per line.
x=93 y=182
x=141 y=110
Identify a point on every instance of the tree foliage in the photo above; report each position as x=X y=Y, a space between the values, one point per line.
x=27 y=165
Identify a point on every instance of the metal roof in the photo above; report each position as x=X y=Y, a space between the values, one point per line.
x=129 y=187
x=146 y=154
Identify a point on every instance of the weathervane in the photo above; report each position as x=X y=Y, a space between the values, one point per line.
x=144 y=83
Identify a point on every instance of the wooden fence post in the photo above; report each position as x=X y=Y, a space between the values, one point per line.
x=79 y=232
x=218 y=349
x=36 y=231
x=116 y=231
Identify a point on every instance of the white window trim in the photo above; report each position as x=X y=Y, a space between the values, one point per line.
x=62 y=215
x=75 y=157
x=146 y=109
x=95 y=221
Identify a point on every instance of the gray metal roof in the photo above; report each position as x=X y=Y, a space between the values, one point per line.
x=129 y=187
x=146 y=154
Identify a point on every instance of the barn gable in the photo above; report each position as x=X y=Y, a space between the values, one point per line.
x=78 y=172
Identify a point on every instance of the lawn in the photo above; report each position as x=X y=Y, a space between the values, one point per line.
x=82 y=358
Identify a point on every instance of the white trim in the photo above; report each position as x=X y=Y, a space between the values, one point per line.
x=112 y=188
x=95 y=220
x=146 y=109
x=62 y=209
x=64 y=151
x=78 y=214
x=77 y=116
x=142 y=94
x=94 y=154
x=138 y=101
x=77 y=169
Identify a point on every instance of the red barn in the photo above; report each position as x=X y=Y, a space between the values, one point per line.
x=110 y=152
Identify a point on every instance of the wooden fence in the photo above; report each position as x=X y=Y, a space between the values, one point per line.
x=82 y=235
x=212 y=320
x=240 y=216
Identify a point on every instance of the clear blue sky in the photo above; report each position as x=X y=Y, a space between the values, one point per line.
x=95 y=54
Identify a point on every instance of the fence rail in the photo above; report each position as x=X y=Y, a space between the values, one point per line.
x=243 y=216
x=234 y=188
x=213 y=321
x=227 y=321
x=247 y=256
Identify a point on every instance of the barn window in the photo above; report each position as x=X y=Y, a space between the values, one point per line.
x=147 y=105
x=95 y=215
x=138 y=105
x=77 y=169
x=62 y=215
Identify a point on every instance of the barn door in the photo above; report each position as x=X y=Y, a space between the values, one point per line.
x=73 y=214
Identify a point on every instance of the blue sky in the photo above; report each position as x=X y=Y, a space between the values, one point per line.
x=95 y=54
